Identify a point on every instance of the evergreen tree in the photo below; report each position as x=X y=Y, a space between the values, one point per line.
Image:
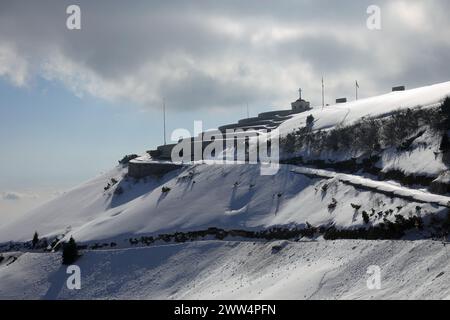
x=70 y=252
x=35 y=240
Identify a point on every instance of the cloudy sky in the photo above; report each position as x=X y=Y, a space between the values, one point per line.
x=74 y=101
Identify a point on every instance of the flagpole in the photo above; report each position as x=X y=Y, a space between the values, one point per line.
x=356 y=88
x=323 y=95
x=164 y=119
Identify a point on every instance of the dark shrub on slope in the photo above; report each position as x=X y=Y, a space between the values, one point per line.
x=70 y=252
x=368 y=134
x=445 y=143
x=445 y=113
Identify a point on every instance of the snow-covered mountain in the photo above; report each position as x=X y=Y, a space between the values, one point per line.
x=236 y=197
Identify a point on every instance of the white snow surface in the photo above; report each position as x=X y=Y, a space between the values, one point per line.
x=347 y=113
x=424 y=161
x=237 y=270
x=229 y=197
x=234 y=196
x=239 y=197
x=424 y=158
x=382 y=186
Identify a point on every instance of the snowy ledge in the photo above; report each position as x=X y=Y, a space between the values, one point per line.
x=378 y=186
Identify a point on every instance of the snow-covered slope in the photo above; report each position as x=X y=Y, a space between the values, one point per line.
x=383 y=187
x=346 y=113
x=229 y=196
x=238 y=270
x=114 y=207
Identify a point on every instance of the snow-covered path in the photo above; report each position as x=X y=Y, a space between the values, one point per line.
x=239 y=270
x=379 y=186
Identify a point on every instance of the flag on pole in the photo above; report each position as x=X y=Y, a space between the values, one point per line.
x=357 y=85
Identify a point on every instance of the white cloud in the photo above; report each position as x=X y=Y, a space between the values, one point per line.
x=16 y=196
x=411 y=14
x=13 y=66
x=225 y=54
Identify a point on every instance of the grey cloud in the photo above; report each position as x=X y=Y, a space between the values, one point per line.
x=11 y=196
x=205 y=91
x=149 y=42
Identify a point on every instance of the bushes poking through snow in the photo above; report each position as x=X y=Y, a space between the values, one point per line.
x=406 y=145
x=332 y=205
x=368 y=135
x=367 y=165
x=37 y=243
x=186 y=178
x=290 y=143
x=385 y=230
x=165 y=189
x=366 y=217
x=220 y=234
x=118 y=191
x=110 y=184
x=351 y=165
x=355 y=206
